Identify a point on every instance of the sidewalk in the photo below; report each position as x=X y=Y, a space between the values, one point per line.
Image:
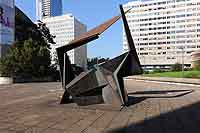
x=166 y=79
x=153 y=108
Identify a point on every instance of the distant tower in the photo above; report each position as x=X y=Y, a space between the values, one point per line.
x=48 y=8
x=38 y=9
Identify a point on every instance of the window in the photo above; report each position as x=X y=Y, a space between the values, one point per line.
x=179 y=16
x=180 y=31
x=179 y=0
x=188 y=15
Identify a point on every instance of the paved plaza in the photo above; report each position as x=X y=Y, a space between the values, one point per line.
x=153 y=108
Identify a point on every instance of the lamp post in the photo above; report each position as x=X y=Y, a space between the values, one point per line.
x=143 y=63
x=98 y=57
x=182 y=57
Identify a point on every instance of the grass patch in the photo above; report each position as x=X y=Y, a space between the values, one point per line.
x=186 y=74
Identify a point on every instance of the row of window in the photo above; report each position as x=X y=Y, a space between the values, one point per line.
x=164 y=18
x=169 y=36
x=168 y=32
x=168 y=42
x=164 y=53
x=172 y=48
x=182 y=14
x=164 y=3
x=192 y=5
x=60 y=22
x=172 y=27
x=158 y=23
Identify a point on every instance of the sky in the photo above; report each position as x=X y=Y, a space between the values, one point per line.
x=91 y=13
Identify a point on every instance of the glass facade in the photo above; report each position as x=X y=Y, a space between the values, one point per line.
x=48 y=8
x=7 y=25
x=6 y=21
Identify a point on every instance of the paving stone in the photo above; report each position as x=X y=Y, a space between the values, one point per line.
x=93 y=130
x=65 y=124
x=155 y=107
x=18 y=128
x=50 y=130
x=85 y=123
x=120 y=121
x=5 y=125
x=104 y=120
x=7 y=131
x=33 y=130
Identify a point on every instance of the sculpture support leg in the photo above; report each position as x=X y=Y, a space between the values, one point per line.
x=66 y=95
x=64 y=70
x=64 y=82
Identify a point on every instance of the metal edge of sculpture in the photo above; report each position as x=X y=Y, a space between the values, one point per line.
x=104 y=83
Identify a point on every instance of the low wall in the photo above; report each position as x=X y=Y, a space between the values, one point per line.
x=6 y=80
x=26 y=80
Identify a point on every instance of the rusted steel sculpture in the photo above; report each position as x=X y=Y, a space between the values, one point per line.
x=104 y=83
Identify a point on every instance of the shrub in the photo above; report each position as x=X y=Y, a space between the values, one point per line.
x=5 y=67
x=197 y=66
x=146 y=72
x=157 y=70
x=176 y=67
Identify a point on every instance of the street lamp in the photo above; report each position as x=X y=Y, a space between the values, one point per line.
x=98 y=57
x=142 y=57
x=144 y=63
x=182 y=57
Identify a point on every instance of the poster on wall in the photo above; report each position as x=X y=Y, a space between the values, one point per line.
x=7 y=21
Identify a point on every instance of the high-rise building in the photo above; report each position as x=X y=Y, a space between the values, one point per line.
x=48 y=8
x=165 y=32
x=7 y=25
x=66 y=28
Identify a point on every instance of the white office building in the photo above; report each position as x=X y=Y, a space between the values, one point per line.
x=66 y=28
x=48 y=8
x=165 y=32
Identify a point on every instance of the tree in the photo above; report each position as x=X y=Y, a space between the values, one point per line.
x=29 y=57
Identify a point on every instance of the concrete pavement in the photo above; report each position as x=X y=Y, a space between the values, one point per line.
x=153 y=108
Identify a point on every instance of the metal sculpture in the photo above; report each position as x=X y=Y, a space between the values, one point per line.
x=104 y=83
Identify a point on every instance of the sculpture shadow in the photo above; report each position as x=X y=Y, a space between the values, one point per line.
x=163 y=93
x=139 y=96
x=157 y=92
x=134 y=100
x=182 y=120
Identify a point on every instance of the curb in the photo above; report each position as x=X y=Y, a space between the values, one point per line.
x=166 y=79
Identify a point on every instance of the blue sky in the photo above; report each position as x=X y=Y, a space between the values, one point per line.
x=91 y=13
